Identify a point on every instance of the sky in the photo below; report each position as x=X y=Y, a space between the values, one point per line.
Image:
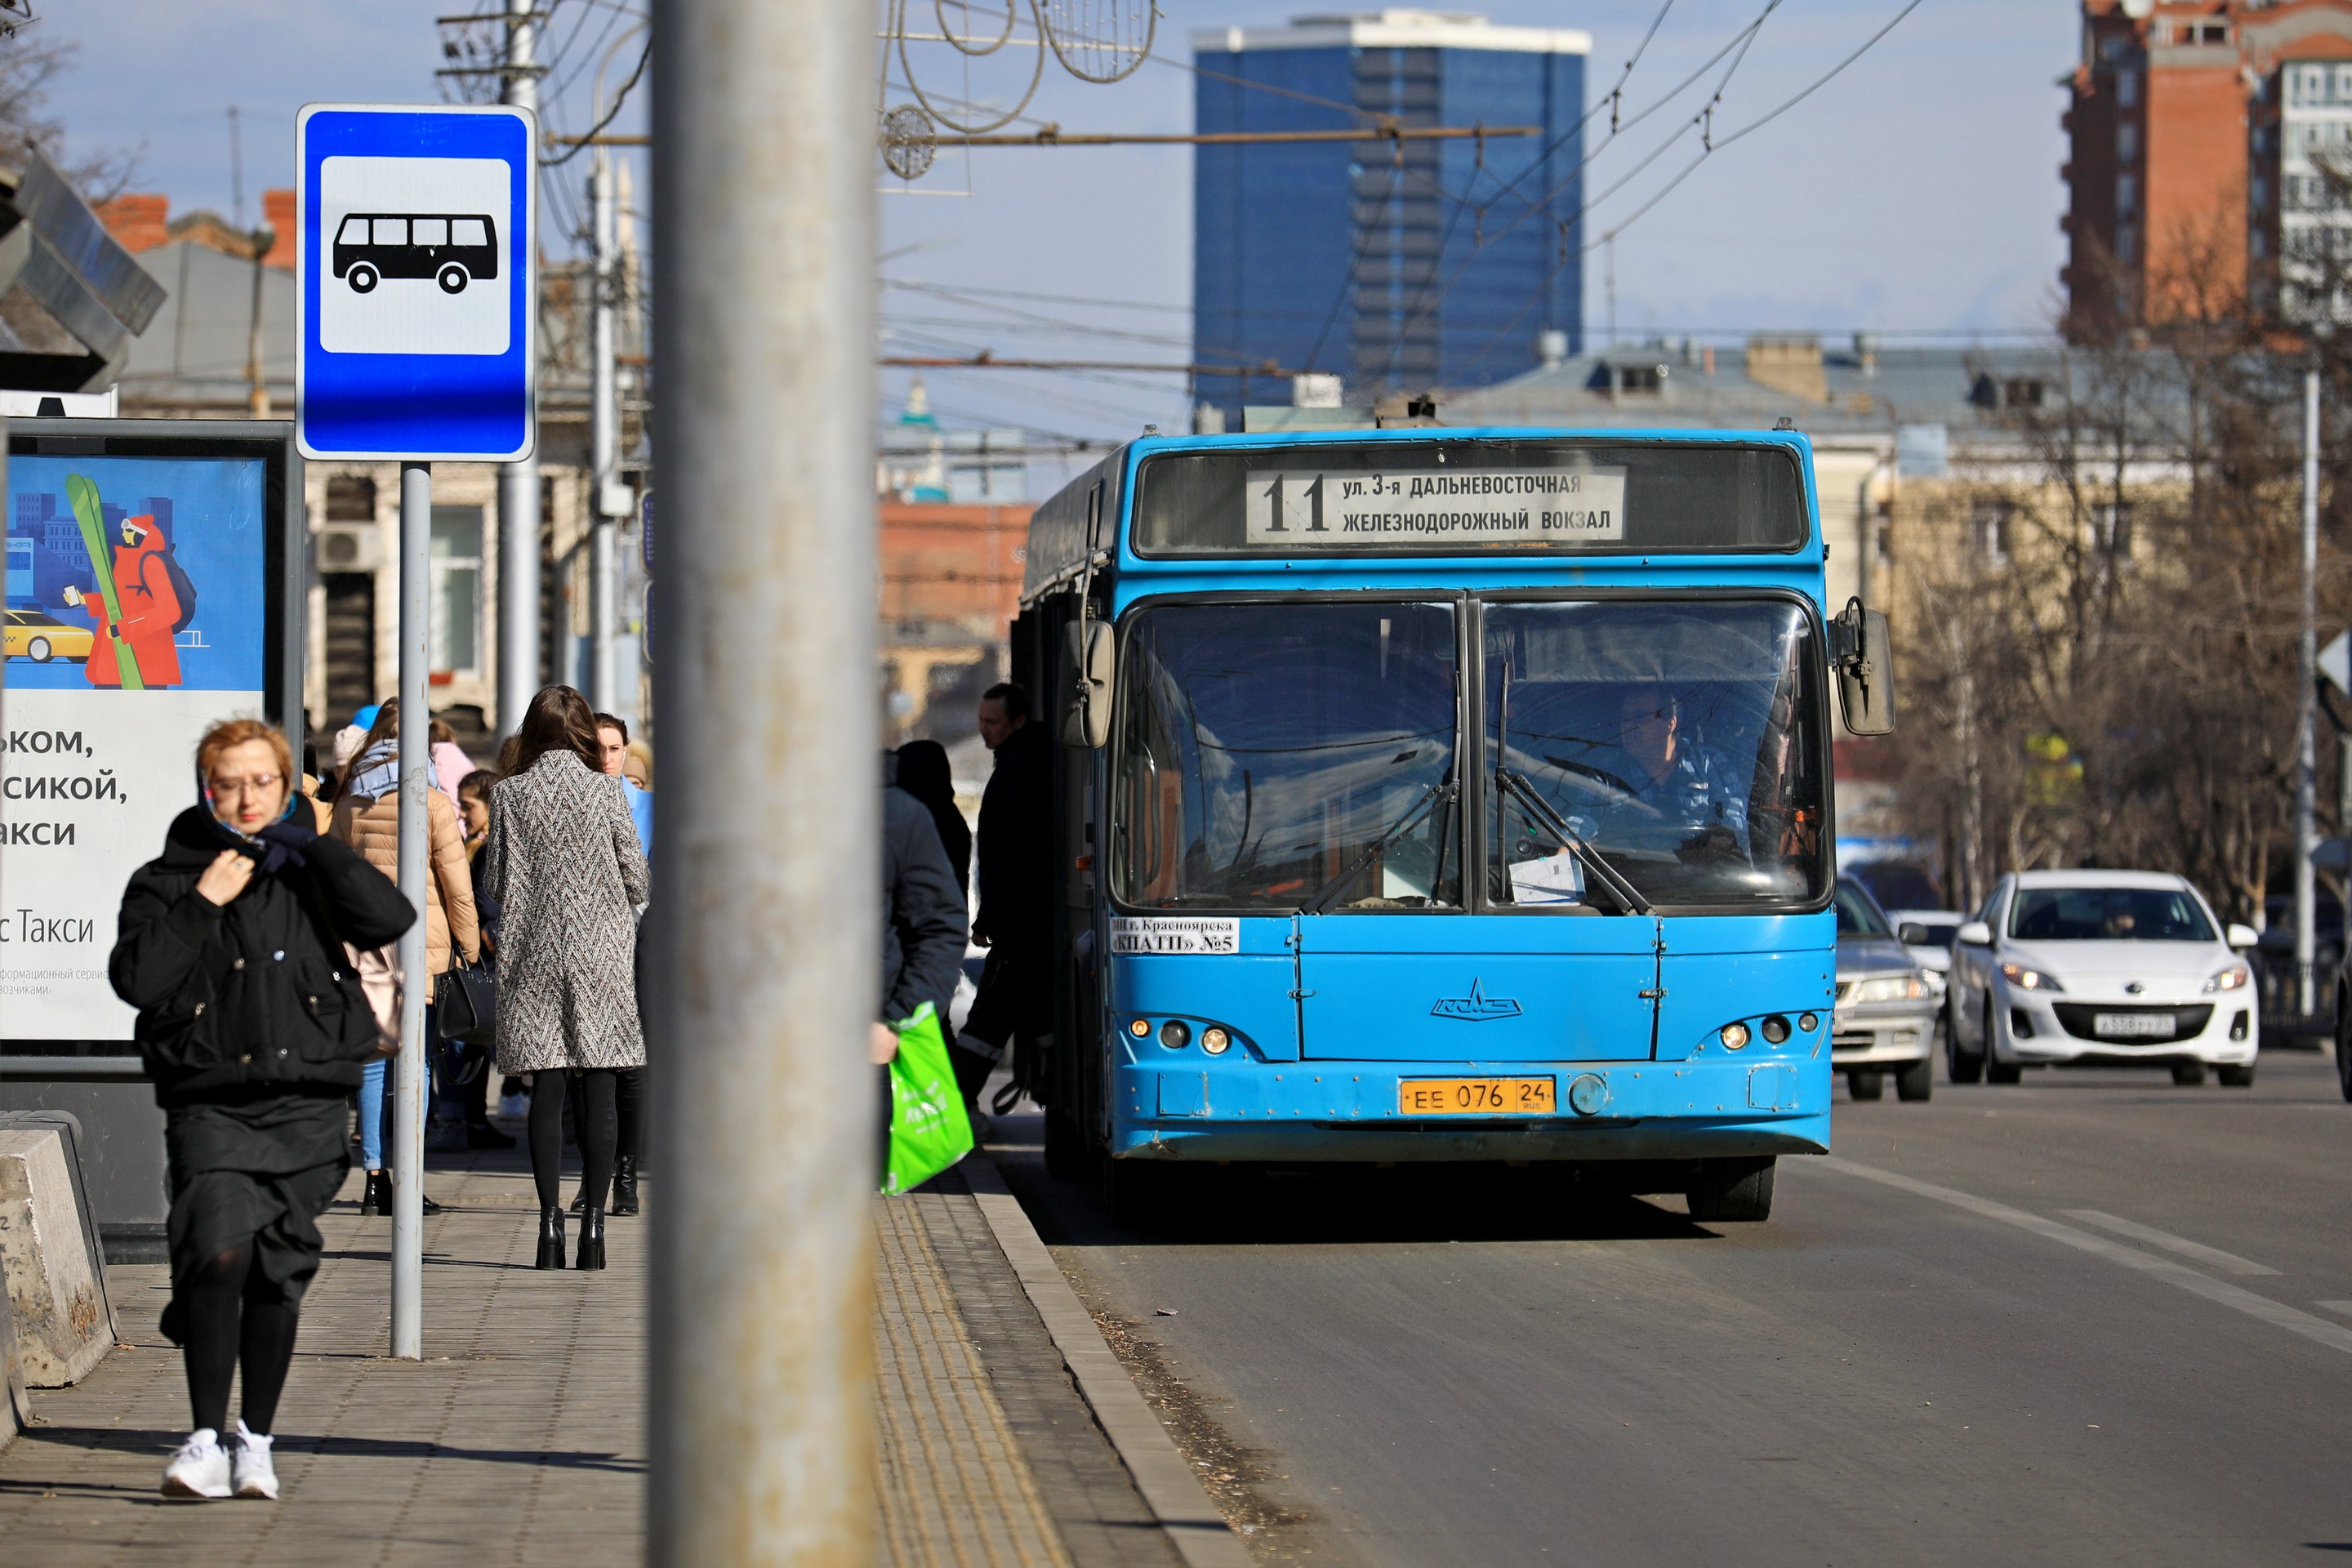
x=1915 y=193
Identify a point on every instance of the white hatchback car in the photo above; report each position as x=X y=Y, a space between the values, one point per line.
x=2121 y=968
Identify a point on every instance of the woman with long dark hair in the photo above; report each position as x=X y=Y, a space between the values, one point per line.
x=254 y=1029
x=562 y=863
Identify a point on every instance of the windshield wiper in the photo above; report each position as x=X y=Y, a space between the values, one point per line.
x=1330 y=889
x=1628 y=897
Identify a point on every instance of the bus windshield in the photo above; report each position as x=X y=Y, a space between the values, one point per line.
x=1680 y=740
x=1266 y=750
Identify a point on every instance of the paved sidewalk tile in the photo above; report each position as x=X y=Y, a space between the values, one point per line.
x=951 y=1484
x=519 y=1439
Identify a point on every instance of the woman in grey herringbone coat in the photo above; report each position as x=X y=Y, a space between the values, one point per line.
x=562 y=863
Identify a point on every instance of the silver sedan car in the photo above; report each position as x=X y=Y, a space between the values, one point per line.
x=1884 y=1021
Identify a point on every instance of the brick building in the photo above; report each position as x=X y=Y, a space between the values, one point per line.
x=950 y=587
x=2195 y=130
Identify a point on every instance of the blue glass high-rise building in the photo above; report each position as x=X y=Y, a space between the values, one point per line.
x=1398 y=265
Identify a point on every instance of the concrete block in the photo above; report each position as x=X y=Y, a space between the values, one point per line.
x=55 y=1287
x=19 y=1408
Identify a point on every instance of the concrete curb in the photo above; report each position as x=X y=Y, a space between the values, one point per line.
x=55 y=1278
x=1170 y=1488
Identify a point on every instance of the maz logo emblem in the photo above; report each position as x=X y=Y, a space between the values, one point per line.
x=1476 y=1007
x=2134 y=988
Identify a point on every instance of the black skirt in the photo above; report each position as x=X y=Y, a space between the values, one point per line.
x=260 y=1170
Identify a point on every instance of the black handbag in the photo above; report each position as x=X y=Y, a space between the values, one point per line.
x=467 y=1008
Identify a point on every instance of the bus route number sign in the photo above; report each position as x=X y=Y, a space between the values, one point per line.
x=1289 y=508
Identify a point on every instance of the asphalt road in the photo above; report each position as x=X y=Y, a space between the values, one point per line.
x=2093 y=1318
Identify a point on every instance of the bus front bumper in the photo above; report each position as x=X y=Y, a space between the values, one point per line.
x=1349 y=1111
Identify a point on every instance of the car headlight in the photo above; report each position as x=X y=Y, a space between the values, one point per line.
x=1890 y=988
x=2026 y=979
x=2237 y=977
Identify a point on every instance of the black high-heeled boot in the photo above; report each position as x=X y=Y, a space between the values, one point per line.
x=625 y=1185
x=377 y=1198
x=592 y=1240
x=550 y=1238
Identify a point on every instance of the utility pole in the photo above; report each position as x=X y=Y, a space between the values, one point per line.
x=2306 y=669
x=408 y=1073
x=762 y=1328
x=256 y=378
x=603 y=443
x=519 y=608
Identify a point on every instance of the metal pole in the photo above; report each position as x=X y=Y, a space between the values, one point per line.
x=762 y=1328
x=604 y=439
x=519 y=606
x=415 y=782
x=2307 y=661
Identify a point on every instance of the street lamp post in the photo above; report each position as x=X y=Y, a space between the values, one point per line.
x=2306 y=760
x=765 y=906
x=519 y=606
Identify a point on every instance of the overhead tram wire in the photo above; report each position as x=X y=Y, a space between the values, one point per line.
x=1741 y=42
x=1415 y=311
x=1714 y=145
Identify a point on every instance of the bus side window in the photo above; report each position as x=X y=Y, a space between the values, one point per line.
x=469 y=231
x=391 y=231
x=433 y=231
x=354 y=232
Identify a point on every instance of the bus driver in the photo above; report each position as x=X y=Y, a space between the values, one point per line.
x=1682 y=796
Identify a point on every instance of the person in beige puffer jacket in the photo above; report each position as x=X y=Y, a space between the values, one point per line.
x=367 y=817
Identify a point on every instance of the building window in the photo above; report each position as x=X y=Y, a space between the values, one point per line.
x=456 y=560
x=351 y=499
x=2128 y=88
x=2127 y=243
x=1988 y=528
x=2127 y=141
x=2127 y=193
x=2217 y=32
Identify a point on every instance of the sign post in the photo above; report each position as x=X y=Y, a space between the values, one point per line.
x=417 y=293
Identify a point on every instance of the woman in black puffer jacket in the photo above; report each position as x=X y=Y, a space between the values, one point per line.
x=255 y=1030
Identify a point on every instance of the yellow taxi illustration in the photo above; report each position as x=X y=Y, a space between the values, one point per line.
x=42 y=638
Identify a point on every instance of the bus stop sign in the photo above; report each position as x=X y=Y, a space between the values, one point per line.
x=417 y=259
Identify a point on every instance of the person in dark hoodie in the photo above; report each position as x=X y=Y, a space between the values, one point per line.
x=924 y=773
x=254 y=1029
x=922 y=929
x=1015 y=872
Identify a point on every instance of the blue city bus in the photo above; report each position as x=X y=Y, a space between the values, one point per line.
x=1442 y=794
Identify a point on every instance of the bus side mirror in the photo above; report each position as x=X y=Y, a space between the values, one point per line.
x=1865 y=674
x=1090 y=657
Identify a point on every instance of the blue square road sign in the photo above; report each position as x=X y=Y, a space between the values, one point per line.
x=417 y=253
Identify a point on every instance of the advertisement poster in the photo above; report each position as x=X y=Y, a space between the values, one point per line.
x=135 y=620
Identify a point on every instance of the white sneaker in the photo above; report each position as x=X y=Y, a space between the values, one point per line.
x=199 y=1469
x=254 y=1475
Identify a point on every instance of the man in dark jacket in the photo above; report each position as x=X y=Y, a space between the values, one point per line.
x=1014 y=855
x=922 y=931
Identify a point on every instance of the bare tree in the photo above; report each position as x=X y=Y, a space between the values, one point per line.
x=2099 y=629
x=31 y=62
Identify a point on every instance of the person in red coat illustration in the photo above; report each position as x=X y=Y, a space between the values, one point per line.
x=151 y=608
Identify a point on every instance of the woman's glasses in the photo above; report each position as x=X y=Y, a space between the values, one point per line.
x=258 y=783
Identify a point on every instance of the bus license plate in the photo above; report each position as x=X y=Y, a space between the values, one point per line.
x=1477 y=1096
x=2133 y=1026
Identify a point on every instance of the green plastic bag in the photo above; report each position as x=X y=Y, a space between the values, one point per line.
x=928 y=1129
